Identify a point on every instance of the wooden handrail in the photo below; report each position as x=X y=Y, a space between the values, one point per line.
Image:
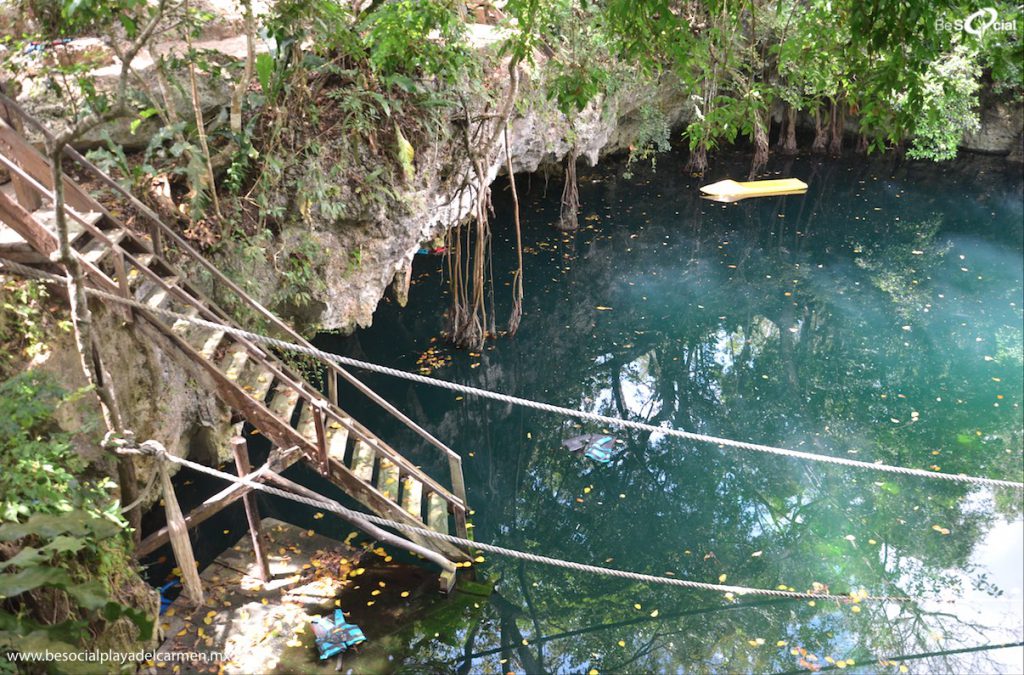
x=287 y=379
x=454 y=459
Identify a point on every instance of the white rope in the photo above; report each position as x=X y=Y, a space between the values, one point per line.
x=330 y=505
x=526 y=403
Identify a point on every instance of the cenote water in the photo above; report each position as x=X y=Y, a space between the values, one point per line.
x=876 y=317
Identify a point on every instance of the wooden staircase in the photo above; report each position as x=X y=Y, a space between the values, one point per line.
x=249 y=378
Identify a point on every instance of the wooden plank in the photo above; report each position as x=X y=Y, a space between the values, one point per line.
x=362 y=461
x=234 y=361
x=437 y=513
x=387 y=479
x=213 y=340
x=283 y=403
x=240 y=450
x=157 y=295
x=412 y=496
x=24 y=193
x=256 y=381
x=209 y=508
x=337 y=442
x=22 y=222
x=183 y=328
x=306 y=426
x=96 y=249
x=37 y=166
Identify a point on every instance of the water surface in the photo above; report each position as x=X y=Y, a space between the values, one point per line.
x=876 y=317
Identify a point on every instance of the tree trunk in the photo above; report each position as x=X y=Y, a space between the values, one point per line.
x=698 y=162
x=787 y=134
x=250 y=59
x=838 y=127
x=89 y=356
x=820 y=144
x=760 y=160
x=862 y=145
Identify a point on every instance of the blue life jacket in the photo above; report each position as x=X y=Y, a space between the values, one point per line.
x=337 y=636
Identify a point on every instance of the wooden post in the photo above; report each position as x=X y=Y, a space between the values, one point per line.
x=122 y=283
x=252 y=513
x=180 y=543
x=321 y=435
x=332 y=386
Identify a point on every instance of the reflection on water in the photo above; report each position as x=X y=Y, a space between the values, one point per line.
x=877 y=317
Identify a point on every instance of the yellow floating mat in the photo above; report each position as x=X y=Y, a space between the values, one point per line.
x=730 y=190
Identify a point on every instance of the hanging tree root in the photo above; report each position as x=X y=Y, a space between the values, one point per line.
x=568 y=221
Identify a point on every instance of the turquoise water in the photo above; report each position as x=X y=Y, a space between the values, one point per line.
x=876 y=317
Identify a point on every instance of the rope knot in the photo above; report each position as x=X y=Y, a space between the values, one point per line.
x=155 y=448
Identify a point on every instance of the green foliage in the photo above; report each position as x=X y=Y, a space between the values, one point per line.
x=949 y=105
x=652 y=138
x=25 y=321
x=59 y=527
x=301 y=273
x=56 y=553
x=421 y=38
x=41 y=469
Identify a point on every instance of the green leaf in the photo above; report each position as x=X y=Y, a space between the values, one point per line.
x=28 y=579
x=26 y=557
x=264 y=71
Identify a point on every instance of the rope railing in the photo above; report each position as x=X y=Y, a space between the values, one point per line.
x=327 y=504
x=161 y=229
x=316 y=353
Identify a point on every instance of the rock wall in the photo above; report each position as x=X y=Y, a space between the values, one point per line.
x=158 y=397
x=538 y=139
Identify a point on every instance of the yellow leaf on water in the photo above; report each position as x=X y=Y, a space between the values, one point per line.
x=756 y=554
x=404 y=594
x=586 y=490
x=654 y=614
x=722 y=578
x=637 y=606
x=602 y=308
x=781 y=643
x=622 y=643
x=855 y=609
x=181 y=632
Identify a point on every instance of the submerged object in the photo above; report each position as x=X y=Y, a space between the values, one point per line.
x=335 y=636
x=731 y=191
x=598 y=447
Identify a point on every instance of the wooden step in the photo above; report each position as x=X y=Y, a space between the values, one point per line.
x=412 y=496
x=437 y=513
x=307 y=426
x=234 y=361
x=209 y=347
x=337 y=440
x=183 y=328
x=284 y=401
x=256 y=380
x=96 y=249
x=157 y=295
x=144 y=258
x=387 y=479
x=362 y=461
